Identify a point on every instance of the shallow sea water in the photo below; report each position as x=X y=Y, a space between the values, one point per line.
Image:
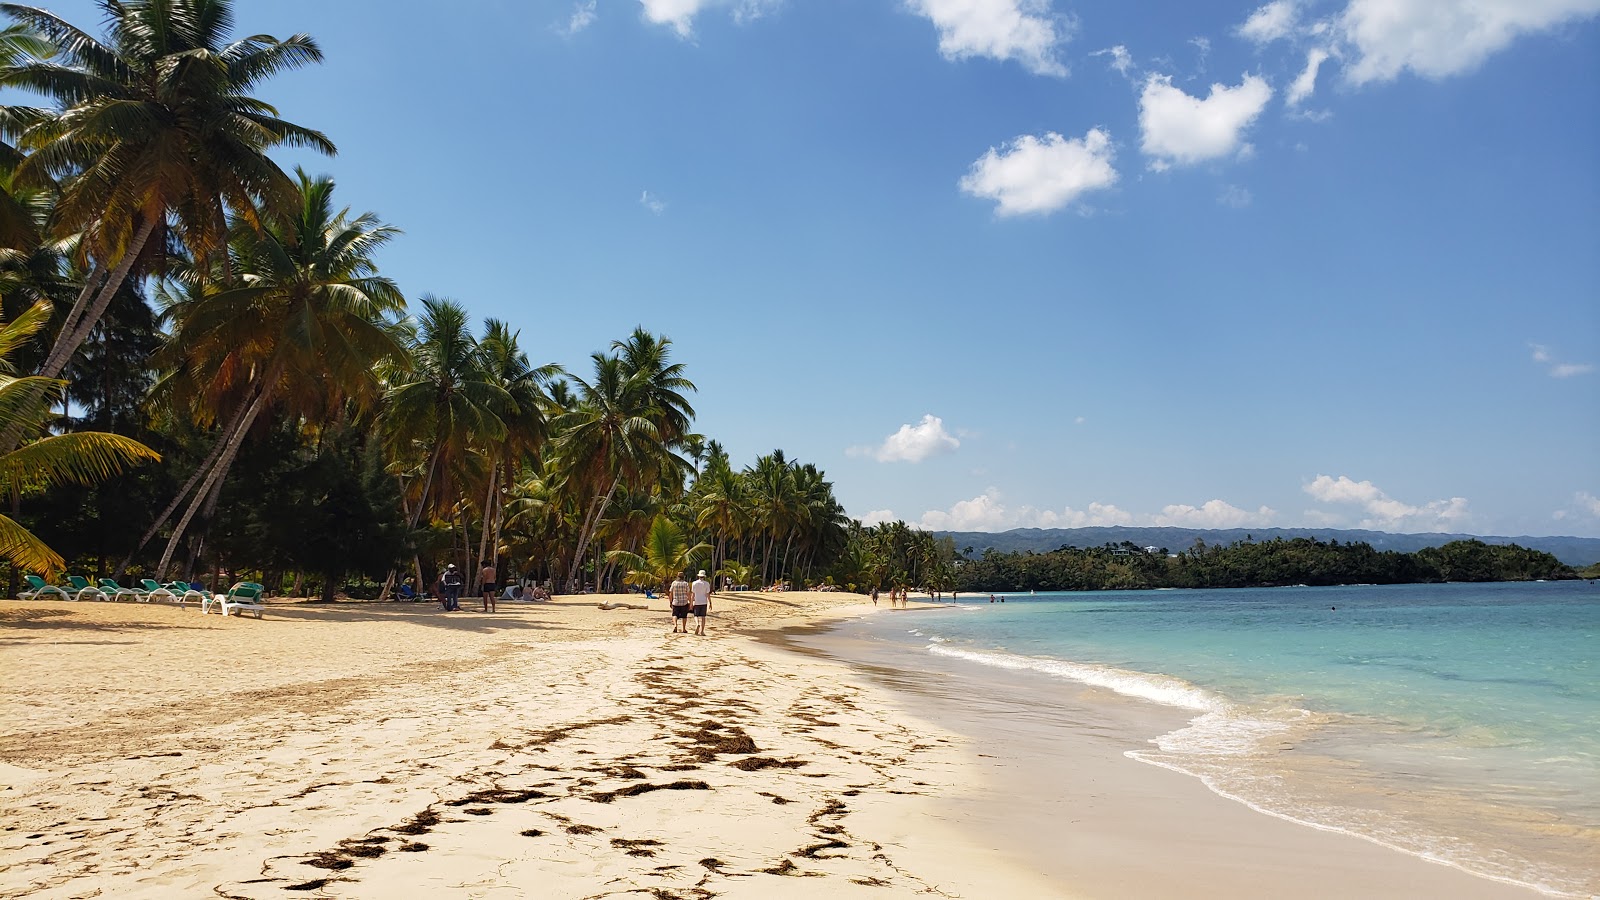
x=1456 y=722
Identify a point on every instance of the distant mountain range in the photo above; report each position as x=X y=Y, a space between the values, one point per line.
x=1574 y=551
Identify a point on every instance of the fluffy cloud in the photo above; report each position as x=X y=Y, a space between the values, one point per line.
x=1213 y=514
x=1384 y=513
x=1556 y=368
x=878 y=517
x=1306 y=82
x=679 y=14
x=988 y=512
x=1271 y=22
x=1437 y=38
x=912 y=443
x=1020 y=30
x=1033 y=175
x=1183 y=130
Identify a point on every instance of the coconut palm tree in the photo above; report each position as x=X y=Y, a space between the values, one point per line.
x=156 y=129
x=308 y=322
x=84 y=457
x=446 y=406
x=666 y=556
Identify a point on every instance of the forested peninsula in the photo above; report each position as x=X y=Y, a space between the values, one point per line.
x=1248 y=563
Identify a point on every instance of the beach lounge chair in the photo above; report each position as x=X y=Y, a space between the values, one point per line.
x=190 y=590
x=117 y=591
x=246 y=595
x=44 y=591
x=155 y=590
x=85 y=590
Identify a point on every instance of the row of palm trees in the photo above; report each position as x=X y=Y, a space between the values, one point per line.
x=147 y=177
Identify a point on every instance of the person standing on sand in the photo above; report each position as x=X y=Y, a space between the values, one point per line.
x=486 y=577
x=450 y=588
x=874 y=596
x=702 y=602
x=678 y=594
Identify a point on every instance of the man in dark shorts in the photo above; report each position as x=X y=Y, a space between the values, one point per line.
x=679 y=597
x=701 y=589
x=487 y=576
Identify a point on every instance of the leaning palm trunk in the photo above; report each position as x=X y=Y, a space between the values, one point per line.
x=76 y=331
x=199 y=473
x=488 y=514
x=591 y=523
x=218 y=471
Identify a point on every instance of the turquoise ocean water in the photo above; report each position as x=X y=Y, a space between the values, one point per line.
x=1457 y=722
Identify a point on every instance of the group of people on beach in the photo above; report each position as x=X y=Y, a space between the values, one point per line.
x=451 y=583
x=897 y=597
x=686 y=597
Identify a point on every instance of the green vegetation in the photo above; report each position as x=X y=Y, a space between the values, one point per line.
x=317 y=431
x=1253 y=564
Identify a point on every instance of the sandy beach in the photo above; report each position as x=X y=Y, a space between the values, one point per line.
x=564 y=750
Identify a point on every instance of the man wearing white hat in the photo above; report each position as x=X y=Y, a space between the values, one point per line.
x=702 y=601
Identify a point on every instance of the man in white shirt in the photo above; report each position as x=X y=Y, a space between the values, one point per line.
x=678 y=593
x=702 y=601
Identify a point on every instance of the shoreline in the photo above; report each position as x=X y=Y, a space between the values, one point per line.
x=1137 y=804
x=367 y=750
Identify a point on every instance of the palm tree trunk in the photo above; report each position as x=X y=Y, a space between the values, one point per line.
x=591 y=522
x=73 y=333
x=217 y=472
x=488 y=513
x=427 y=484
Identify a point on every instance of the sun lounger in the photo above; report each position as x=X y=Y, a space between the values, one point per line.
x=85 y=590
x=117 y=591
x=154 y=590
x=44 y=591
x=246 y=595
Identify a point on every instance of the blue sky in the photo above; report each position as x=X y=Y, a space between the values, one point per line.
x=993 y=263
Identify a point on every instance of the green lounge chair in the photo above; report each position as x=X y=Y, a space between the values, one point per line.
x=155 y=590
x=85 y=590
x=117 y=591
x=42 y=590
x=246 y=595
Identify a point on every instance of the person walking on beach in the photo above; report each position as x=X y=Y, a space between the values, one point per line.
x=702 y=602
x=450 y=588
x=874 y=596
x=678 y=594
x=486 y=576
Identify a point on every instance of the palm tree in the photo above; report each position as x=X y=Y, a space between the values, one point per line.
x=448 y=404
x=84 y=457
x=155 y=122
x=504 y=363
x=667 y=555
x=308 y=322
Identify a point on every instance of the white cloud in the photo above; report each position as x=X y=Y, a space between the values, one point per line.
x=1438 y=38
x=1213 y=514
x=653 y=203
x=1033 y=175
x=1079 y=420
x=1384 y=513
x=1184 y=130
x=878 y=517
x=912 y=443
x=1271 y=22
x=1020 y=30
x=1121 y=59
x=1203 y=46
x=1305 y=84
x=988 y=512
x=583 y=15
x=1557 y=368
x=680 y=14
x=1587 y=502
x=1235 y=197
